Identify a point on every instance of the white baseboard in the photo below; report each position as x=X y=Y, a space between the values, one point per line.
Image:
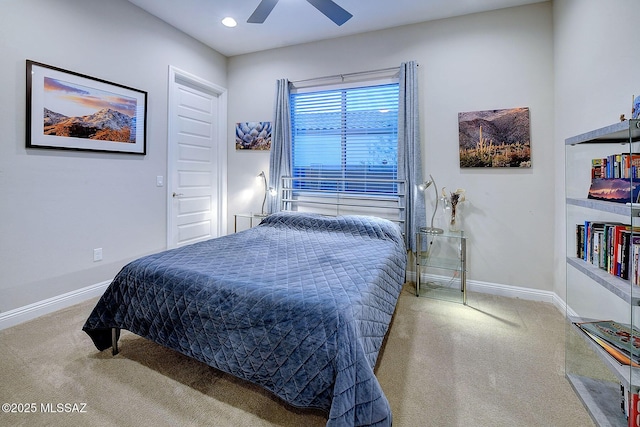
x=517 y=292
x=29 y=312
x=40 y=308
x=503 y=290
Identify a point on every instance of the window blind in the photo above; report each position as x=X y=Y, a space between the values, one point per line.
x=348 y=133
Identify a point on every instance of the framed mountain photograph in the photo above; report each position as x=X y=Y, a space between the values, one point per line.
x=495 y=138
x=68 y=110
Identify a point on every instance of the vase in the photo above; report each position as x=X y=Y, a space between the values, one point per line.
x=454 y=222
x=455 y=217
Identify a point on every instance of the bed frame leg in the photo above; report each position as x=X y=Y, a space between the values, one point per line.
x=115 y=334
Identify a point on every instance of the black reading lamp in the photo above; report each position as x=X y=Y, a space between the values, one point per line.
x=422 y=187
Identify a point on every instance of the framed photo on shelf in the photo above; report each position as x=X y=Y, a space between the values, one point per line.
x=618 y=190
x=72 y=111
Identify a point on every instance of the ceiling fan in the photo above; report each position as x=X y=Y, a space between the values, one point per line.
x=328 y=7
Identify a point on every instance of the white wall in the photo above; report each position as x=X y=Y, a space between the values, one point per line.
x=492 y=60
x=596 y=73
x=57 y=206
x=574 y=68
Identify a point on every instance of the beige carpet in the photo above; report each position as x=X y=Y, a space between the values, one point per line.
x=495 y=362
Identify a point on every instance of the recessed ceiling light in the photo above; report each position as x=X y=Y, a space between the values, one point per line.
x=229 y=22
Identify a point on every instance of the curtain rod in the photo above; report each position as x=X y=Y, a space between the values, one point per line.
x=342 y=76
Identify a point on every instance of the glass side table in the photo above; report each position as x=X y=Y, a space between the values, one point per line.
x=254 y=219
x=443 y=258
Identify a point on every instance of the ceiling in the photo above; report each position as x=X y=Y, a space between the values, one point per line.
x=297 y=21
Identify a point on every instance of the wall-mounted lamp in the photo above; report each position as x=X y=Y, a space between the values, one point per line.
x=422 y=187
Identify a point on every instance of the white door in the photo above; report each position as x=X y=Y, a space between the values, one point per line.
x=197 y=160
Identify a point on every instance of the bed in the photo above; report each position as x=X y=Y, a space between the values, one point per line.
x=299 y=305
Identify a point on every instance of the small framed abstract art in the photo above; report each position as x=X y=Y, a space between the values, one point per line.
x=68 y=110
x=253 y=136
x=495 y=138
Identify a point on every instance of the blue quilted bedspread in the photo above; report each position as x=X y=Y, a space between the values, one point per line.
x=299 y=305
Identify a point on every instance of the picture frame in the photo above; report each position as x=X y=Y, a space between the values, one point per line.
x=253 y=135
x=72 y=111
x=617 y=190
x=495 y=138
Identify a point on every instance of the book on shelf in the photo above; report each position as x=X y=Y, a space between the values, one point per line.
x=635 y=258
x=593 y=236
x=628 y=249
x=617 y=339
x=611 y=246
x=597 y=168
x=616 y=178
x=634 y=409
x=625 y=165
x=580 y=245
x=630 y=404
x=624 y=400
x=616 y=245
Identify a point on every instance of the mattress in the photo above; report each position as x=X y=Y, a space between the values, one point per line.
x=299 y=305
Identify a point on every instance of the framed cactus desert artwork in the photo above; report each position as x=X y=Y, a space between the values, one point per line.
x=495 y=138
x=253 y=136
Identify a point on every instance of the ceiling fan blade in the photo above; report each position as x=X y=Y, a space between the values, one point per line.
x=262 y=11
x=332 y=11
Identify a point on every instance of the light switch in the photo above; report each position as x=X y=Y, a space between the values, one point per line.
x=159 y=181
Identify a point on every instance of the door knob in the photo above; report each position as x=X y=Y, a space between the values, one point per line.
x=177 y=194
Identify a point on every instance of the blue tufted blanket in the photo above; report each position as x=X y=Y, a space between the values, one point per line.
x=299 y=305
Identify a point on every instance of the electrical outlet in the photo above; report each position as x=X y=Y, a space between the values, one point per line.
x=97 y=254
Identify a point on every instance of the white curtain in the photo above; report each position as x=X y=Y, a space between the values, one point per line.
x=280 y=160
x=409 y=158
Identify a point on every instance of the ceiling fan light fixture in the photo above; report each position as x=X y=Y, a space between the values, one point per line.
x=229 y=22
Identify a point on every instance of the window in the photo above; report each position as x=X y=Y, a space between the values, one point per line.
x=347 y=134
